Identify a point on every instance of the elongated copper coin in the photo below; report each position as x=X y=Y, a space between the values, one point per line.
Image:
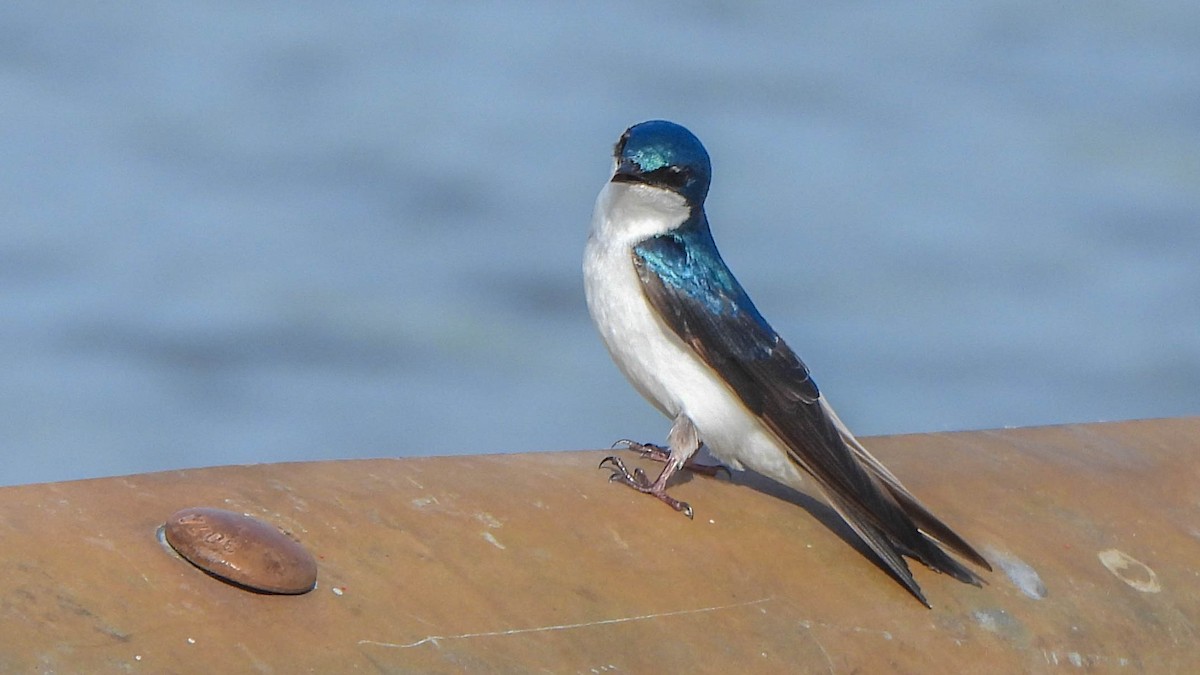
x=241 y=549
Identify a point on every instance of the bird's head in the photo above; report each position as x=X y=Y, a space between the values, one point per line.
x=664 y=155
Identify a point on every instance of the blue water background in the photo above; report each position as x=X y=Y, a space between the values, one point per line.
x=258 y=232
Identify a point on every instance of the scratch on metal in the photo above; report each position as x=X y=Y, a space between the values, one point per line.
x=435 y=639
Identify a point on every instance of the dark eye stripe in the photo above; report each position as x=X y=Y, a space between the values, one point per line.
x=671 y=176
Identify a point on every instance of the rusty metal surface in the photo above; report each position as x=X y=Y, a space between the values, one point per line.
x=534 y=563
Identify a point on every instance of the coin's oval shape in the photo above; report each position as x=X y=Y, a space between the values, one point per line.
x=241 y=549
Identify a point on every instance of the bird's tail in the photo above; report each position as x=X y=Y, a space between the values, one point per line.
x=928 y=523
x=893 y=523
x=899 y=539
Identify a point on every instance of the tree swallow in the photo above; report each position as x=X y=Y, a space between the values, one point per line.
x=686 y=335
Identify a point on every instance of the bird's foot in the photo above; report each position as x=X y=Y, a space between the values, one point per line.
x=660 y=454
x=638 y=480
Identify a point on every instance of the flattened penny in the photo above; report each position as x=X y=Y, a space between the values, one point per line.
x=241 y=549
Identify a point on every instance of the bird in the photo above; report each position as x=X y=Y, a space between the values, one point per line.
x=683 y=331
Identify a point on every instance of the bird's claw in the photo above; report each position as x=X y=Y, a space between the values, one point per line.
x=635 y=479
x=660 y=454
x=638 y=480
x=709 y=470
x=646 y=449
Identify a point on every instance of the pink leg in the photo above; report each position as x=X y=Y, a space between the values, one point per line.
x=683 y=441
x=660 y=454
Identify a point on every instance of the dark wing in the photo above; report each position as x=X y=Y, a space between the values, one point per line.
x=685 y=279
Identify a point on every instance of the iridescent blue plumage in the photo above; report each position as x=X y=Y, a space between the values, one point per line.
x=748 y=372
x=684 y=276
x=661 y=152
x=687 y=261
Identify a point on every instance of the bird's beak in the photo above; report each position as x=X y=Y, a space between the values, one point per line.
x=628 y=171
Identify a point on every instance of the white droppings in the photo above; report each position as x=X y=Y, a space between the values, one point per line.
x=337 y=591
x=492 y=540
x=422 y=502
x=191 y=641
x=1024 y=577
x=1133 y=572
x=996 y=621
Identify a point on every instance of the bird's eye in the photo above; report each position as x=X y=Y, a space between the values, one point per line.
x=673 y=176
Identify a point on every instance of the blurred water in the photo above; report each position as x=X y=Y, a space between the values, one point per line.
x=239 y=233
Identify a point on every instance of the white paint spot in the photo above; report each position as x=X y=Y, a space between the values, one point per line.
x=102 y=542
x=1133 y=572
x=488 y=519
x=1082 y=659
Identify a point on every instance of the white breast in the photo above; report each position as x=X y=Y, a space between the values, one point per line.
x=658 y=364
